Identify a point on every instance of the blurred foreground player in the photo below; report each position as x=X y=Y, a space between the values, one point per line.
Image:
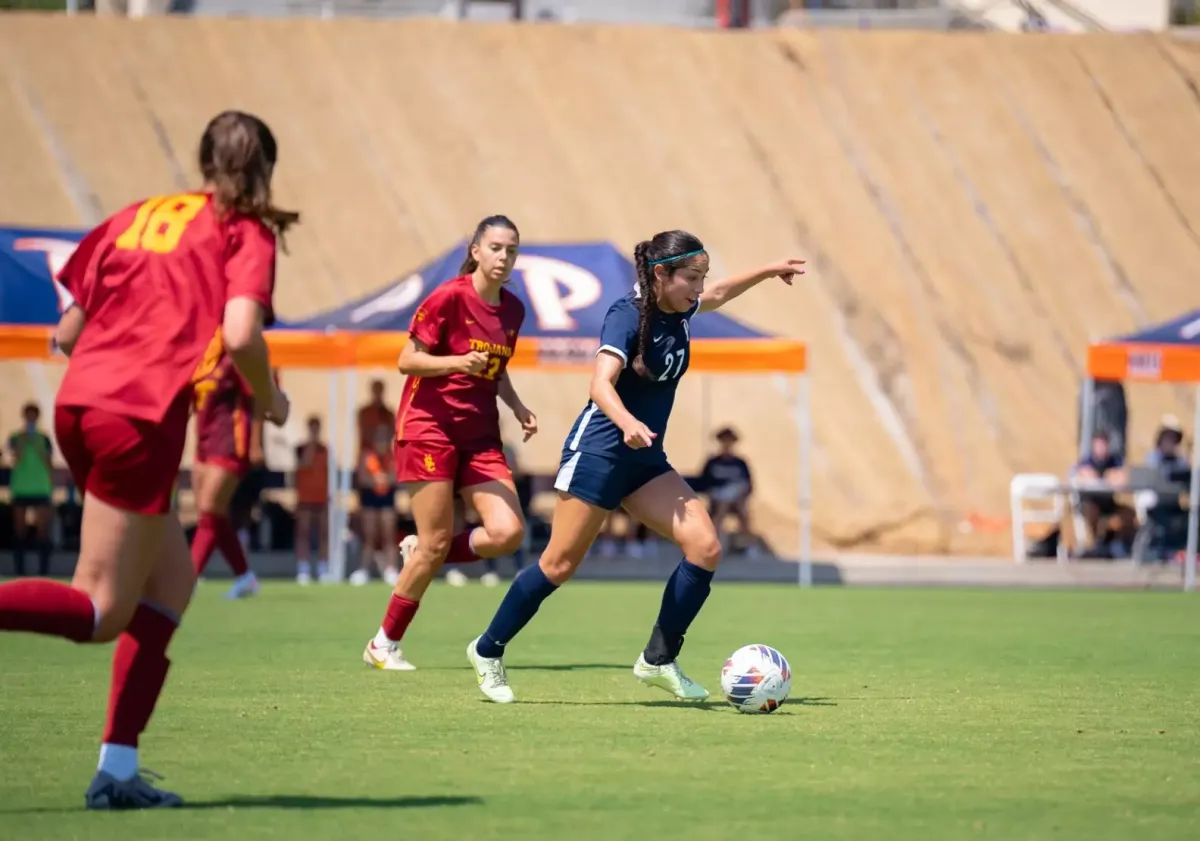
x=151 y=286
x=613 y=458
x=448 y=427
x=224 y=414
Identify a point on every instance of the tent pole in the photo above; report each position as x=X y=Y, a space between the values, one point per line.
x=349 y=430
x=804 y=478
x=334 y=478
x=705 y=411
x=1189 y=570
x=1087 y=419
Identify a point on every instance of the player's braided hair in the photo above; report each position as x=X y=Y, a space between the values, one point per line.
x=469 y=263
x=669 y=249
x=237 y=157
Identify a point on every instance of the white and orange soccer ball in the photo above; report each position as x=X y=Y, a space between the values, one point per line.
x=756 y=679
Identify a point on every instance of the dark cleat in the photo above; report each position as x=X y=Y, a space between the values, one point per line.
x=108 y=793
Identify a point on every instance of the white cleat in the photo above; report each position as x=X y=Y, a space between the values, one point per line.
x=407 y=546
x=456 y=578
x=669 y=677
x=304 y=578
x=491 y=674
x=360 y=577
x=390 y=576
x=244 y=587
x=490 y=579
x=390 y=658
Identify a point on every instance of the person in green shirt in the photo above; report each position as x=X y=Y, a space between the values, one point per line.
x=31 y=484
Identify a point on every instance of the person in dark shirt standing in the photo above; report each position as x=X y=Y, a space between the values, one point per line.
x=727 y=480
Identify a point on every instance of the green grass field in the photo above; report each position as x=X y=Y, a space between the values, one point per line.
x=915 y=715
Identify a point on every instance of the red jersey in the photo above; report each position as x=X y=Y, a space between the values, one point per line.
x=219 y=386
x=460 y=408
x=152 y=281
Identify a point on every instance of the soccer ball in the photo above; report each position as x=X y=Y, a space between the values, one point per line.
x=756 y=679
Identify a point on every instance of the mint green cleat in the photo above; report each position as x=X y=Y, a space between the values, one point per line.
x=669 y=677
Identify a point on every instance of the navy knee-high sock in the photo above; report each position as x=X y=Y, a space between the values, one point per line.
x=525 y=595
x=686 y=590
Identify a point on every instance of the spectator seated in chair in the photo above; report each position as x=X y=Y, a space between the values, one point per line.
x=1164 y=532
x=1167 y=455
x=727 y=480
x=1112 y=526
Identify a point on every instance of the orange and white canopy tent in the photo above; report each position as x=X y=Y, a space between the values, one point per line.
x=1167 y=353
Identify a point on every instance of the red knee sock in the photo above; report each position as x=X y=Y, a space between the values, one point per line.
x=400 y=613
x=139 y=671
x=207 y=532
x=47 y=607
x=231 y=547
x=460 y=549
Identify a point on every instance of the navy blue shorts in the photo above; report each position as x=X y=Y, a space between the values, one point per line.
x=372 y=499
x=605 y=480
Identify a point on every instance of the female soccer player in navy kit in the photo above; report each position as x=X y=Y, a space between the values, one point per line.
x=614 y=457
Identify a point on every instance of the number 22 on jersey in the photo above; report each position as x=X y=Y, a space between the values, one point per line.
x=160 y=223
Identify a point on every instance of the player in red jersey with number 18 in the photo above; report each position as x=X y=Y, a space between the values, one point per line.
x=224 y=413
x=152 y=285
x=448 y=427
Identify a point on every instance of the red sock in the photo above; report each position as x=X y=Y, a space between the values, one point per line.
x=47 y=607
x=399 y=614
x=460 y=549
x=207 y=531
x=231 y=547
x=139 y=671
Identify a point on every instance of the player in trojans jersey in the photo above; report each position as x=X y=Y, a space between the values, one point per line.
x=614 y=457
x=151 y=286
x=224 y=411
x=448 y=427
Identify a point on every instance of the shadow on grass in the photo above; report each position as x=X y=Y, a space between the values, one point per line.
x=695 y=705
x=674 y=702
x=551 y=667
x=317 y=801
x=291 y=801
x=574 y=667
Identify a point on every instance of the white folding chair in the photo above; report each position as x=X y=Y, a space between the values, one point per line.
x=1038 y=488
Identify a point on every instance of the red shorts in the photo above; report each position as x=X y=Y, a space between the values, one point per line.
x=129 y=463
x=223 y=437
x=436 y=461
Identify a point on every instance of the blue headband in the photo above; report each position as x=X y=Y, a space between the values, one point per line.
x=676 y=257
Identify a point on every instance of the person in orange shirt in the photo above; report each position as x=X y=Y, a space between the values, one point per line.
x=372 y=416
x=376 y=480
x=312 y=504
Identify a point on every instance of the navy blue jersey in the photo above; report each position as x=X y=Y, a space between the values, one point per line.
x=647 y=399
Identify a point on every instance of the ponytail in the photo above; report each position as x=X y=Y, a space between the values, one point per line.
x=645 y=305
x=237 y=157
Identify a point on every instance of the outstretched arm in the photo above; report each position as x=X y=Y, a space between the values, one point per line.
x=728 y=288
